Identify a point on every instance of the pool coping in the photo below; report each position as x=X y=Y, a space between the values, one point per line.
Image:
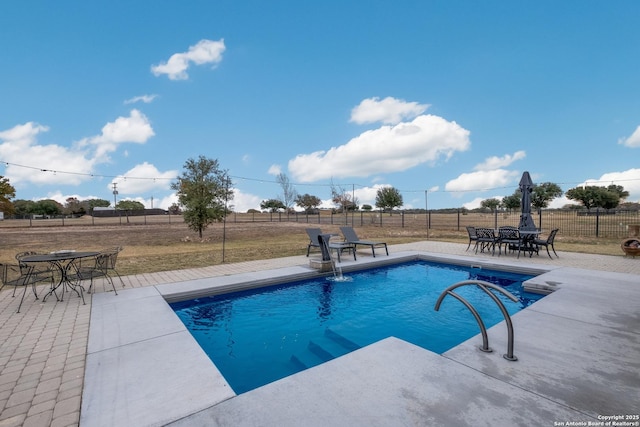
x=156 y=374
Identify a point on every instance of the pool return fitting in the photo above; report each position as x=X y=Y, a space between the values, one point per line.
x=485 y=286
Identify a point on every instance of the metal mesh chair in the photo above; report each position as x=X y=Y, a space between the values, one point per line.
x=102 y=265
x=40 y=272
x=17 y=276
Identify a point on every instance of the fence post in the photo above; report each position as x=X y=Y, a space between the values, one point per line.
x=495 y=219
x=597 y=222
x=458 y=212
x=539 y=218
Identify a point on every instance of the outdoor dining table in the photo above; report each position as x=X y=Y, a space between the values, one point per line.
x=64 y=261
x=528 y=236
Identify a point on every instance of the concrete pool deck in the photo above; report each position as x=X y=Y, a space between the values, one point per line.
x=116 y=358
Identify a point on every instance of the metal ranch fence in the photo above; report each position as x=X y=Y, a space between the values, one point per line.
x=613 y=224
x=570 y=222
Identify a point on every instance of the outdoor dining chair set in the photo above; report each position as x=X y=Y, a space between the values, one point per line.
x=62 y=270
x=511 y=239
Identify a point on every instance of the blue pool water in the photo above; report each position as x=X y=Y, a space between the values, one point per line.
x=258 y=336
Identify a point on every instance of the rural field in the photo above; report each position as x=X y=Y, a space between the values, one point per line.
x=159 y=244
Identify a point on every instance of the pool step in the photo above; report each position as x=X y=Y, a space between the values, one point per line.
x=329 y=347
x=343 y=341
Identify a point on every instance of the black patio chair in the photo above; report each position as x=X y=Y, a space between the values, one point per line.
x=40 y=272
x=547 y=242
x=509 y=237
x=487 y=239
x=102 y=265
x=473 y=236
x=17 y=276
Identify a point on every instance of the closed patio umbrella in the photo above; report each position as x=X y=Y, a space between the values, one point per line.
x=526 y=187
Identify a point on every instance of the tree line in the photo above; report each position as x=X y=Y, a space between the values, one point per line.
x=205 y=191
x=589 y=196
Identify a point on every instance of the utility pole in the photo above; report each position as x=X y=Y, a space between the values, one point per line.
x=115 y=193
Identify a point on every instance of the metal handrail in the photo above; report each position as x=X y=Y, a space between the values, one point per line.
x=485 y=286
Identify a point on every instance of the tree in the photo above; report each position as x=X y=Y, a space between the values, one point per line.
x=388 y=198
x=544 y=193
x=273 y=205
x=345 y=201
x=203 y=191
x=367 y=208
x=23 y=207
x=7 y=192
x=47 y=207
x=491 y=204
x=512 y=202
x=308 y=202
x=129 y=205
x=174 y=209
x=592 y=196
x=89 y=204
x=619 y=190
x=72 y=206
x=289 y=192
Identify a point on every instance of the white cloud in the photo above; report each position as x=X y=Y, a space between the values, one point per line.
x=23 y=135
x=633 y=141
x=135 y=128
x=481 y=180
x=142 y=98
x=275 y=170
x=203 y=52
x=388 y=111
x=561 y=202
x=384 y=150
x=475 y=203
x=500 y=162
x=19 y=148
x=143 y=178
x=242 y=202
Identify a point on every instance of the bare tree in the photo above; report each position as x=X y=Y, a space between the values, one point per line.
x=289 y=193
x=346 y=201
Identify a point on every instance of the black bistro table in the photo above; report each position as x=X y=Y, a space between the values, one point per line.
x=528 y=236
x=64 y=261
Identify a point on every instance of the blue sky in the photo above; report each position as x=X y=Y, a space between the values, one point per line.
x=452 y=98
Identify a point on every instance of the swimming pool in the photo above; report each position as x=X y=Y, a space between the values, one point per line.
x=258 y=336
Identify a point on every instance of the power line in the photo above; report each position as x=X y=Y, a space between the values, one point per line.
x=243 y=178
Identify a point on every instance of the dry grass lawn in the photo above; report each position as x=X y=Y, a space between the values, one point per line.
x=162 y=247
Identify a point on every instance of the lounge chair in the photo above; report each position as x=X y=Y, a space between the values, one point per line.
x=313 y=234
x=351 y=237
